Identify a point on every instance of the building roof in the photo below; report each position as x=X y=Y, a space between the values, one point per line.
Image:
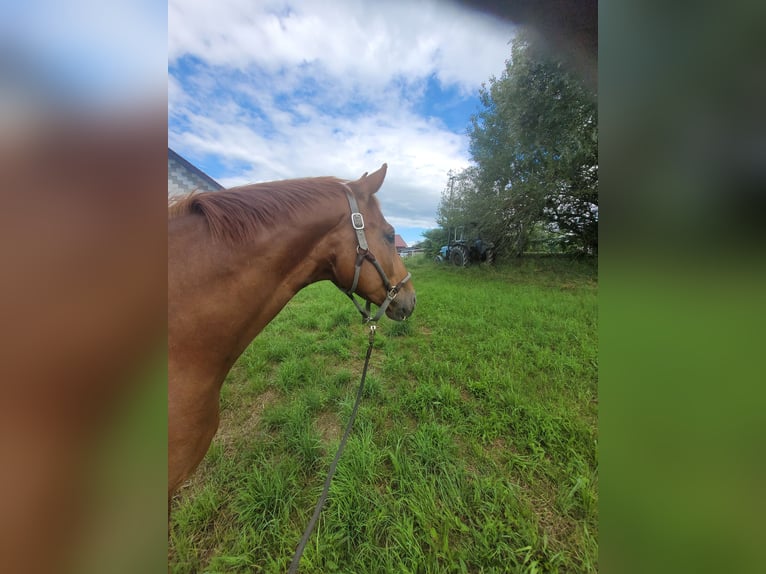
x=207 y=182
x=399 y=242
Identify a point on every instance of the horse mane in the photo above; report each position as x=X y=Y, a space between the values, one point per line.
x=236 y=215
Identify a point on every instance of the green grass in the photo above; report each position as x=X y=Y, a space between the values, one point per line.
x=474 y=450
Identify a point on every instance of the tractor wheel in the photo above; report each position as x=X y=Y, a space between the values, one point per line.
x=459 y=256
x=438 y=259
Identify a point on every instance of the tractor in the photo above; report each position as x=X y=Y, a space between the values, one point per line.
x=462 y=252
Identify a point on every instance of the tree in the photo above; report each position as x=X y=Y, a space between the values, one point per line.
x=433 y=240
x=535 y=148
x=459 y=199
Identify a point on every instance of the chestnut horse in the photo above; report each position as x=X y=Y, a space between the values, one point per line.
x=236 y=257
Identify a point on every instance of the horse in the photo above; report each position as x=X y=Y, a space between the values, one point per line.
x=235 y=259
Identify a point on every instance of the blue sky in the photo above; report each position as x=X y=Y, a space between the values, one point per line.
x=264 y=90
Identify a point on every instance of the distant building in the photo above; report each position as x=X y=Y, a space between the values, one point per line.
x=400 y=244
x=184 y=177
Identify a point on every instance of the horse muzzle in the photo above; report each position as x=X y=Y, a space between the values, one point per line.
x=402 y=306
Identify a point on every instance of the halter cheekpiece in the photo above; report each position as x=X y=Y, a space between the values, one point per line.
x=363 y=253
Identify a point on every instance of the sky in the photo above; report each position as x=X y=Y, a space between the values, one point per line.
x=267 y=90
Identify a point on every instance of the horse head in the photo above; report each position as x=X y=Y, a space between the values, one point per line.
x=367 y=262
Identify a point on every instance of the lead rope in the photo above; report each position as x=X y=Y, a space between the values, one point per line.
x=323 y=497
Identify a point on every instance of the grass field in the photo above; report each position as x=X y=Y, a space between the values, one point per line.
x=475 y=448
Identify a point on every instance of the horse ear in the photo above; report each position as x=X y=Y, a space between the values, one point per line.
x=369 y=184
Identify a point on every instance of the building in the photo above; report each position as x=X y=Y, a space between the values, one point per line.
x=184 y=177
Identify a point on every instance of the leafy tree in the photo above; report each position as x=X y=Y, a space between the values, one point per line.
x=535 y=148
x=433 y=240
x=458 y=204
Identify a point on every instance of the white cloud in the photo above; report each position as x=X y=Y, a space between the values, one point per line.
x=416 y=151
x=327 y=88
x=366 y=40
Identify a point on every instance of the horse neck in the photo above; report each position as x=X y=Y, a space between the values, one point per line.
x=221 y=296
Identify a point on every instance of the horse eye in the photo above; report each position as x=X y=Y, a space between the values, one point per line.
x=390 y=237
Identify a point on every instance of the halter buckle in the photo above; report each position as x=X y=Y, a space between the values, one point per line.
x=357 y=221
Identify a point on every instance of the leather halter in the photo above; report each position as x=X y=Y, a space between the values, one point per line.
x=363 y=253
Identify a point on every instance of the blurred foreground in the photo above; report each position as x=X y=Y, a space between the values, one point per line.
x=83 y=296
x=682 y=151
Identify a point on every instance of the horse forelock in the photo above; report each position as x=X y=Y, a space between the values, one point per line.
x=238 y=214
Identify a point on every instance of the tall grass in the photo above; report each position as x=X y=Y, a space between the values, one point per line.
x=475 y=448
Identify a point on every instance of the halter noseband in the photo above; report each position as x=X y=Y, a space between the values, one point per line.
x=362 y=254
